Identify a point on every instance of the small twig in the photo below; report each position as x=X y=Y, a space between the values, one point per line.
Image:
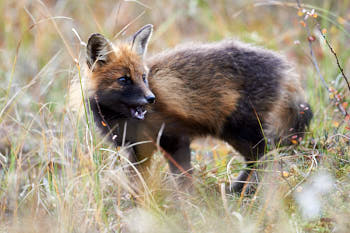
x=174 y=162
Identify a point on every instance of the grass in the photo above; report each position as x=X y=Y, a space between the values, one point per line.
x=58 y=175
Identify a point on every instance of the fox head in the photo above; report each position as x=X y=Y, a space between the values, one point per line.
x=118 y=74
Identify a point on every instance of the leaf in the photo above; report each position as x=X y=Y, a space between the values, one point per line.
x=295 y=142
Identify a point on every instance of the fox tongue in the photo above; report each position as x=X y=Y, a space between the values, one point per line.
x=138 y=113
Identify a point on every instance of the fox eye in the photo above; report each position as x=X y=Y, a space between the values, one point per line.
x=144 y=78
x=125 y=80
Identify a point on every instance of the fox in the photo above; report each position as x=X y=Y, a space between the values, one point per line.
x=245 y=95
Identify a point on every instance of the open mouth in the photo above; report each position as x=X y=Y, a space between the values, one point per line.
x=138 y=112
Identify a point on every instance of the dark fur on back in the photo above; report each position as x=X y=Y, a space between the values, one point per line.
x=219 y=86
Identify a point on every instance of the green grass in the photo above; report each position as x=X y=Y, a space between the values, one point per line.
x=58 y=175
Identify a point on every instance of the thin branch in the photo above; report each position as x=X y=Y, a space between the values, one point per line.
x=335 y=55
x=314 y=61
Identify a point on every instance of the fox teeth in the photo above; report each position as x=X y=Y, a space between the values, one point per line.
x=138 y=112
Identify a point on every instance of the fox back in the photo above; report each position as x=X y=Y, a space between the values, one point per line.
x=227 y=88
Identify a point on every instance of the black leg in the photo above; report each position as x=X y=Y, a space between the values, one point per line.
x=251 y=152
x=178 y=156
x=244 y=178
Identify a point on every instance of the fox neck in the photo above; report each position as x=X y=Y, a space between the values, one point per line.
x=114 y=125
x=107 y=120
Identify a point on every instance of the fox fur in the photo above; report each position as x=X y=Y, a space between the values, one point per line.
x=244 y=95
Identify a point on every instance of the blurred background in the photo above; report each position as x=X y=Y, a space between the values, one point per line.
x=58 y=175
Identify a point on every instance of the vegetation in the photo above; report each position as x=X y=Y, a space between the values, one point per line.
x=58 y=175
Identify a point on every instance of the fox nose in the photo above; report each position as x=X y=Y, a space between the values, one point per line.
x=150 y=98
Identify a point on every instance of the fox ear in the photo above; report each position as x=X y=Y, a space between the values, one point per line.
x=141 y=38
x=97 y=50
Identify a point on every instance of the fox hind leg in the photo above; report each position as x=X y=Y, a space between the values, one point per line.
x=246 y=136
